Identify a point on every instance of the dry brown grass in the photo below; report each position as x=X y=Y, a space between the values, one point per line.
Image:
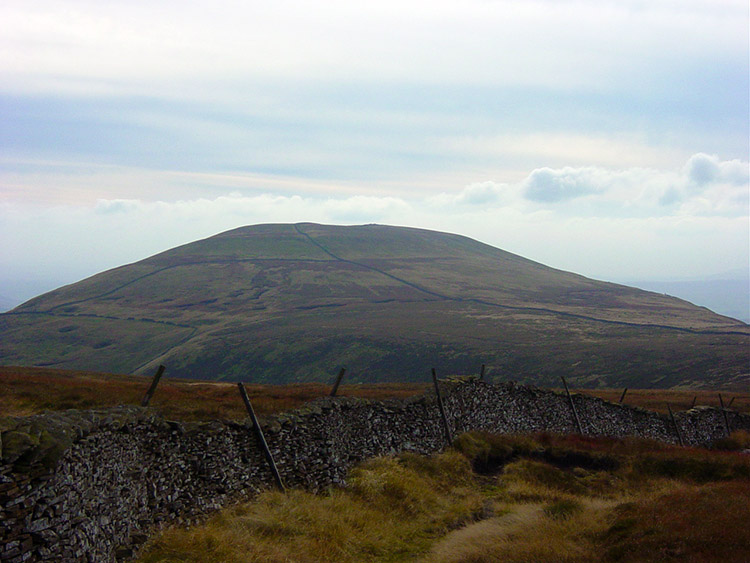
x=689 y=505
x=690 y=523
x=527 y=533
x=393 y=510
x=26 y=391
x=678 y=399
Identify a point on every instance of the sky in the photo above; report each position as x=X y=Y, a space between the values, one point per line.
x=606 y=138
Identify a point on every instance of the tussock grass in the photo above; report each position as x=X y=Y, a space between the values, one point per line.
x=549 y=499
x=690 y=523
x=392 y=510
x=737 y=441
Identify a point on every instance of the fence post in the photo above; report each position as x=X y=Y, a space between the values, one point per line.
x=677 y=428
x=154 y=382
x=729 y=404
x=481 y=372
x=622 y=397
x=724 y=412
x=446 y=427
x=261 y=438
x=339 y=377
x=695 y=398
x=572 y=406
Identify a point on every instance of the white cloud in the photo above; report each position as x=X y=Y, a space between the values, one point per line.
x=486 y=193
x=613 y=223
x=704 y=186
x=140 y=46
x=564 y=149
x=703 y=169
x=573 y=126
x=547 y=185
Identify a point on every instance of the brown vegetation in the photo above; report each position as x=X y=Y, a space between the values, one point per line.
x=513 y=498
x=541 y=498
x=678 y=399
x=25 y=391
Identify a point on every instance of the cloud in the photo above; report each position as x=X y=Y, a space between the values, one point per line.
x=481 y=193
x=491 y=42
x=606 y=223
x=363 y=208
x=115 y=206
x=547 y=185
x=704 y=186
x=703 y=169
x=563 y=148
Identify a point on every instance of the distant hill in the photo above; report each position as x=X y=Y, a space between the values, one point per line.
x=726 y=296
x=286 y=303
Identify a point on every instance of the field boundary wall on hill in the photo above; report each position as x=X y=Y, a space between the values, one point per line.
x=90 y=485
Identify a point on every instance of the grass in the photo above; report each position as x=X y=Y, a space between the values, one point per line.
x=26 y=391
x=267 y=303
x=679 y=399
x=549 y=499
x=700 y=524
x=392 y=510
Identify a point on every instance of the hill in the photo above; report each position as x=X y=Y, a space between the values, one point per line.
x=291 y=303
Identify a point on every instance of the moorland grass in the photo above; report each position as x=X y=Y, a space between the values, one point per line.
x=532 y=506
x=25 y=391
x=392 y=510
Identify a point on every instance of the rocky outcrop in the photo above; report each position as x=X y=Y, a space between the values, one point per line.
x=89 y=485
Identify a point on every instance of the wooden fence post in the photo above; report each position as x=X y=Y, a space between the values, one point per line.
x=339 y=377
x=446 y=427
x=622 y=397
x=677 y=428
x=261 y=438
x=154 y=382
x=481 y=372
x=572 y=406
x=726 y=417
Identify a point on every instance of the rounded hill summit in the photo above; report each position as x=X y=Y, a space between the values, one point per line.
x=294 y=302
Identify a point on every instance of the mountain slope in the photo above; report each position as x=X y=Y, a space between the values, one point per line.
x=292 y=302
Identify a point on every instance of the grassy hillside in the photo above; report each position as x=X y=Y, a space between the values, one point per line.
x=290 y=303
x=538 y=498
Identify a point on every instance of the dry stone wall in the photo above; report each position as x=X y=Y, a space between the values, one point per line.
x=89 y=485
